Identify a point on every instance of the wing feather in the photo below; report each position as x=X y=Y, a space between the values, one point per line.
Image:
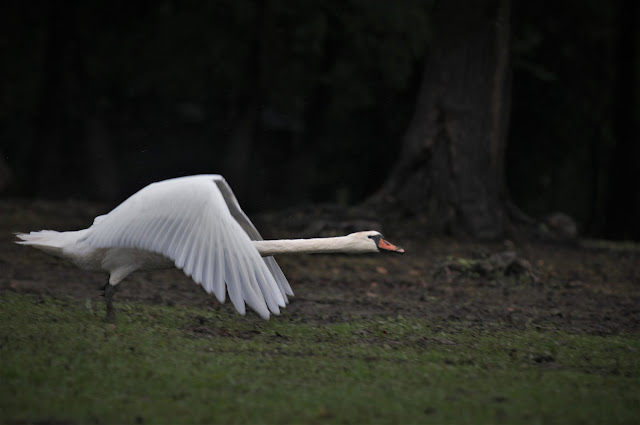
x=207 y=277
x=281 y=280
x=188 y=241
x=159 y=231
x=191 y=250
x=197 y=259
x=274 y=297
x=197 y=222
x=233 y=275
x=248 y=290
x=219 y=275
x=250 y=229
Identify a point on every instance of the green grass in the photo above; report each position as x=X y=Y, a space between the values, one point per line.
x=60 y=362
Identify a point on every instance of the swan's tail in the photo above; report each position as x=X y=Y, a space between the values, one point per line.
x=49 y=241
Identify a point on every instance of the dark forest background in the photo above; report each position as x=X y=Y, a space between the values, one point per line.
x=305 y=102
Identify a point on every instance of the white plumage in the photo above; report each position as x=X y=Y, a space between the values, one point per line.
x=195 y=224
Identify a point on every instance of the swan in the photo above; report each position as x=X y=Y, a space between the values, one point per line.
x=194 y=223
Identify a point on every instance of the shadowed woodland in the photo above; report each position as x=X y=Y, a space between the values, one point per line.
x=495 y=141
x=471 y=115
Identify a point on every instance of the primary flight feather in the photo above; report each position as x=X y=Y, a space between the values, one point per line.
x=195 y=224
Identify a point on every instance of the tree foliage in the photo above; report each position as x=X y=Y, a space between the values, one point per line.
x=138 y=91
x=170 y=75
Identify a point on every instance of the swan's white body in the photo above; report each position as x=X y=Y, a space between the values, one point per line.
x=195 y=224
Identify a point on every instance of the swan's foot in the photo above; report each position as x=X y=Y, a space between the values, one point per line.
x=109 y=291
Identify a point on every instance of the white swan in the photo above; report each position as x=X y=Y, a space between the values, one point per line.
x=195 y=224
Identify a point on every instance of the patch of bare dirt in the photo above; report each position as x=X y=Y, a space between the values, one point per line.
x=593 y=289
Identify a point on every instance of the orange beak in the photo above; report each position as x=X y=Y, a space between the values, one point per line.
x=386 y=246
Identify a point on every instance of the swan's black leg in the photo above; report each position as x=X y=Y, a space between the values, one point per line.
x=109 y=291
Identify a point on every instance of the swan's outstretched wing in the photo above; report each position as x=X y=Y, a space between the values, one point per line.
x=187 y=220
x=250 y=229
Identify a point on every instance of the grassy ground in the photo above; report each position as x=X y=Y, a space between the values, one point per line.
x=439 y=335
x=60 y=362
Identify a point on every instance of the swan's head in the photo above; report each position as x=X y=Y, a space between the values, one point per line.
x=373 y=241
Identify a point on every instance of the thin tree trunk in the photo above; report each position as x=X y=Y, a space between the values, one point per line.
x=450 y=169
x=5 y=173
x=54 y=142
x=72 y=149
x=248 y=123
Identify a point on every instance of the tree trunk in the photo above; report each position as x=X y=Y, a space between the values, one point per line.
x=5 y=173
x=57 y=139
x=248 y=122
x=451 y=166
x=72 y=149
x=623 y=205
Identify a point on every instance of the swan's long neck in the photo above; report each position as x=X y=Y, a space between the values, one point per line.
x=341 y=244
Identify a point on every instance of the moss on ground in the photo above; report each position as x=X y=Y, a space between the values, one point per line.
x=61 y=363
